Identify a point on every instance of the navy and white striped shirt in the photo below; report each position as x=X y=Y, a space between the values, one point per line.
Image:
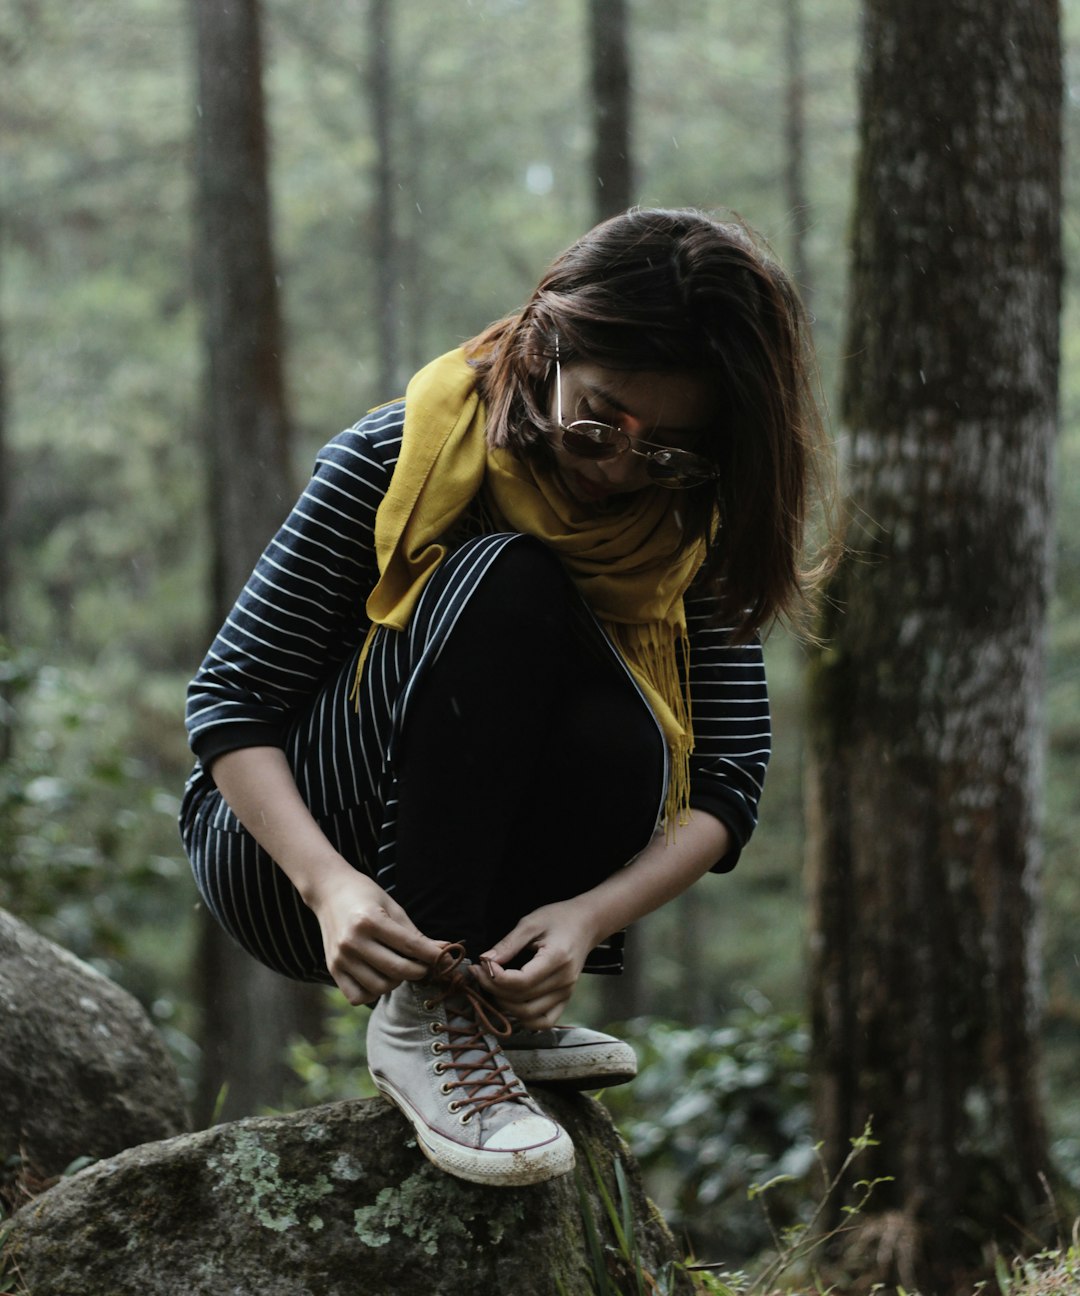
x=301 y=615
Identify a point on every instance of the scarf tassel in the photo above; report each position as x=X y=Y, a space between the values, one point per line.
x=653 y=653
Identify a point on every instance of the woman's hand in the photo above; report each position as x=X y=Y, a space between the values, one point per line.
x=371 y=944
x=562 y=935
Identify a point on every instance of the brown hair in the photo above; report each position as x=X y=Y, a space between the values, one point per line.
x=681 y=291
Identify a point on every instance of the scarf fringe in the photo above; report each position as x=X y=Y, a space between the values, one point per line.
x=652 y=652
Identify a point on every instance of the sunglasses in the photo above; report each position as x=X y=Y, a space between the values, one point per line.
x=664 y=465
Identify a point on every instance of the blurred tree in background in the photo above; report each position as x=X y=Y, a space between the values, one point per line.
x=248 y=1014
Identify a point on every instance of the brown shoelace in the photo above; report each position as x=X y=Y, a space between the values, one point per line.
x=481 y=1017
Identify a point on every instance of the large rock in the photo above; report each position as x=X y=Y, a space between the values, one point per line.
x=333 y=1201
x=82 y=1070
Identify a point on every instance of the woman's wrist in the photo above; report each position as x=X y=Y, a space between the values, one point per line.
x=319 y=879
x=664 y=869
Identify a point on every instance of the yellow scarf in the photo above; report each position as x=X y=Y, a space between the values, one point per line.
x=630 y=567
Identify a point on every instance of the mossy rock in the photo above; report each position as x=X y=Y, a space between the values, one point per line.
x=333 y=1200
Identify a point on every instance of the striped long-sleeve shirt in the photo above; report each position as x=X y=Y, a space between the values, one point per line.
x=301 y=615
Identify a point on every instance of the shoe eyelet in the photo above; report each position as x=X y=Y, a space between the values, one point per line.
x=435 y=1028
x=464 y=1120
x=454 y=1106
x=429 y=1005
x=447 y=1088
x=438 y=1047
x=439 y=1068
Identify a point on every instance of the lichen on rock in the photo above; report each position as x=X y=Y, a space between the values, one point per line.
x=249 y=1173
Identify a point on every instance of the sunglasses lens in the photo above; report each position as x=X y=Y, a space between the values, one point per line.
x=677 y=470
x=591 y=440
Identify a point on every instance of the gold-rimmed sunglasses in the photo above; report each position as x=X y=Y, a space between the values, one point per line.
x=588 y=439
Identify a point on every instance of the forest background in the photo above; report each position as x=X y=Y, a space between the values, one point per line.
x=106 y=565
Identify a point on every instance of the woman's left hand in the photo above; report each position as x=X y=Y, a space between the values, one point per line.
x=561 y=934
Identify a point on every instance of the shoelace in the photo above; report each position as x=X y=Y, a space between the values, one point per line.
x=463 y=999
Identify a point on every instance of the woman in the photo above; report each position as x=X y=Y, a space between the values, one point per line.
x=495 y=690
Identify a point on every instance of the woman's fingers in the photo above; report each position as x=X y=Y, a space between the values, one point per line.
x=543 y=1011
x=511 y=944
x=371 y=943
x=379 y=959
x=548 y=972
x=377 y=928
x=353 y=991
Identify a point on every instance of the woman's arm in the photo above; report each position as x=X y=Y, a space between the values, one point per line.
x=732 y=729
x=301 y=612
x=563 y=933
x=371 y=944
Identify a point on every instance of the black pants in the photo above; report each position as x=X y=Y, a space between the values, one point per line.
x=529 y=768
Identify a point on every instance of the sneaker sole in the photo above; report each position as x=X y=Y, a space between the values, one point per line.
x=596 y=1066
x=497 y=1168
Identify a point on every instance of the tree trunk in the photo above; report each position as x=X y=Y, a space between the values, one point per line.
x=385 y=241
x=926 y=733
x=249 y=1014
x=7 y=715
x=609 y=60
x=612 y=185
x=798 y=203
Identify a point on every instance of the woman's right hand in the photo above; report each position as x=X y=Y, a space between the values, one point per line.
x=370 y=942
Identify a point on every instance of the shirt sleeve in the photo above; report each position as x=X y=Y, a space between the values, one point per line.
x=732 y=728
x=302 y=610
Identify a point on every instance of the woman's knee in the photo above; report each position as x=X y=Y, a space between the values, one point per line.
x=519 y=607
x=524 y=591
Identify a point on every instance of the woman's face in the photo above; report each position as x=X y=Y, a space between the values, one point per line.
x=653 y=409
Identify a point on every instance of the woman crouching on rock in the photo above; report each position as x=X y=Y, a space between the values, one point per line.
x=494 y=690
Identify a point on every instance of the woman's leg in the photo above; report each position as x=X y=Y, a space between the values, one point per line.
x=529 y=768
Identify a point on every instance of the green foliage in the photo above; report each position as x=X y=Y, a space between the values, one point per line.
x=714 y=1112
x=333 y=1067
x=624 y=1256
x=620 y=1261
x=89 y=854
x=81 y=823
x=1054 y=1272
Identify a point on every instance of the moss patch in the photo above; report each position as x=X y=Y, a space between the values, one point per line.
x=418 y=1210
x=248 y=1171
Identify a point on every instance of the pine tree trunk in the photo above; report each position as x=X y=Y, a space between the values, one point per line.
x=249 y=1014
x=7 y=717
x=612 y=184
x=385 y=240
x=798 y=203
x=609 y=60
x=926 y=731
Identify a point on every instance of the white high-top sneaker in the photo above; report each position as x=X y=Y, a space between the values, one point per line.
x=433 y=1051
x=571 y=1056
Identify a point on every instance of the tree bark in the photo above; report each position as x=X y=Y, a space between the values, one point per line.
x=249 y=1014
x=385 y=239
x=7 y=714
x=798 y=203
x=612 y=184
x=609 y=61
x=926 y=733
